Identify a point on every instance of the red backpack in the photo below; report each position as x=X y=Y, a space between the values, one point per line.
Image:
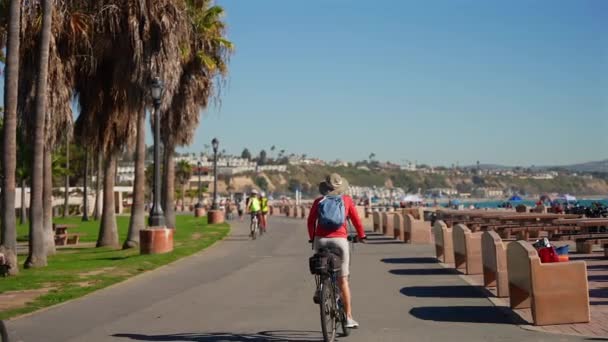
x=548 y=254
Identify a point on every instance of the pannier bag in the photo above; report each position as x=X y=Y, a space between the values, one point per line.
x=324 y=262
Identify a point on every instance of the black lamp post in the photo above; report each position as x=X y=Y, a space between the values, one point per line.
x=215 y=143
x=199 y=204
x=157 y=218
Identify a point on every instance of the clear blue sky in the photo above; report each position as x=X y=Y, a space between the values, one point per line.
x=440 y=82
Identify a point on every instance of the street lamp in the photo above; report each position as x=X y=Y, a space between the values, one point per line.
x=157 y=218
x=215 y=143
x=199 y=204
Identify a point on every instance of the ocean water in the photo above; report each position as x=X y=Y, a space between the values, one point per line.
x=530 y=203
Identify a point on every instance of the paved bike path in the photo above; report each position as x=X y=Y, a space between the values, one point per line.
x=243 y=290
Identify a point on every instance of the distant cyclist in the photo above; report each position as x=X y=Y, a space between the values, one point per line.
x=264 y=208
x=327 y=232
x=254 y=207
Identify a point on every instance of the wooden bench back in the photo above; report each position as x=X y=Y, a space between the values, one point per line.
x=493 y=251
x=520 y=256
x=443 y=242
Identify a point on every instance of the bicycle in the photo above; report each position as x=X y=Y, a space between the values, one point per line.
x=254 y=226
x=326 y=266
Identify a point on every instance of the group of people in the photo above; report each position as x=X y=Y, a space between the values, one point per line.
x=257 y=206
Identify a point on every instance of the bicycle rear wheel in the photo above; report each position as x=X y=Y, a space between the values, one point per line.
x=254 y=231
x=328 y=309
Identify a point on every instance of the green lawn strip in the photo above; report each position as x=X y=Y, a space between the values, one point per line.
x=89 y=230
x=74 y=272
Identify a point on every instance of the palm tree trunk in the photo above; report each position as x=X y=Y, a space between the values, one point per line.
x=85 y=196
x=66 y=194
x=183 y=196
x=108 y=233
x=138 y=211
x=9 y=155
x=96 y=213
x=47 y=202
x=169 y=186
x=23 y=211
x=37 y=253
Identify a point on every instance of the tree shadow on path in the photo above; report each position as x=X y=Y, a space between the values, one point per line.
x=424 y=271
x=466 y=314
x=448 y=291
x=269 y=336
x=418 y=260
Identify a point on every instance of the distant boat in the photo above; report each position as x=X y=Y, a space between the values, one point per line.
x=515 y=198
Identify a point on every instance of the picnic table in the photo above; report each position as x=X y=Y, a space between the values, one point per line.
x=62 y=237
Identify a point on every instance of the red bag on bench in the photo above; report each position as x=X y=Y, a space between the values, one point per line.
x=548 y=254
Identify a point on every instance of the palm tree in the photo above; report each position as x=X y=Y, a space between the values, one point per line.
x=9 y=155
x=85 y=192
x=37 y=253
x=138 y=213
x=66 y=194
x=203 y=61
x=183 y=173
x=98 y=164
x=51 y=164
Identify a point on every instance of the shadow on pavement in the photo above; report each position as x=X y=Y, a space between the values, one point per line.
x=270 y=336
x=466 y=314
x=424 y=271
x=409 y=260
x=456 y=291
x=392 y=242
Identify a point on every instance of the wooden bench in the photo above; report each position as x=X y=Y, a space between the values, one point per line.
x=417 y=212
x=494 y=261
x=443 y=242
x=67 y=239
x=398 y=226
x=387 y=224
x=557 y=293
x=416 y=231
x=467 y=249
x=377 y=221
x=585 y=245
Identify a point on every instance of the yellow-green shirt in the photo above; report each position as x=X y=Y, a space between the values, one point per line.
x=254 y=204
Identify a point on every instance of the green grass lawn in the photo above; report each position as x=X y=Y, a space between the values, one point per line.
x=74 y=272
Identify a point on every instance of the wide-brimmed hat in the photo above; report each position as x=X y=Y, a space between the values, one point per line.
x=333 y=184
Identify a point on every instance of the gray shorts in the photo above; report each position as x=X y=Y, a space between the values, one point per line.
x=339 y=243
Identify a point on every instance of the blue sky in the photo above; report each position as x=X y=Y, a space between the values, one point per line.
x=440 y=82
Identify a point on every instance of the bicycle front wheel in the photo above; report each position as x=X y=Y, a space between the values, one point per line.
x=328 y=308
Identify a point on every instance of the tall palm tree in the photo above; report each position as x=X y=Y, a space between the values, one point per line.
x=9 y=155
x=204 y=61
x=138 y=212
x=183 y=173
x=85 y=188
x=66 y=194
x=37 y=253
x=168 y=183
x=148 y=36
x=98 y=163
x=50 y=164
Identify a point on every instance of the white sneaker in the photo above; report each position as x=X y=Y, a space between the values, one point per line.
x=351 y=323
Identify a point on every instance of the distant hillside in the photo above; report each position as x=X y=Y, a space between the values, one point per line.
x=595 y=166
x=307 y=178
